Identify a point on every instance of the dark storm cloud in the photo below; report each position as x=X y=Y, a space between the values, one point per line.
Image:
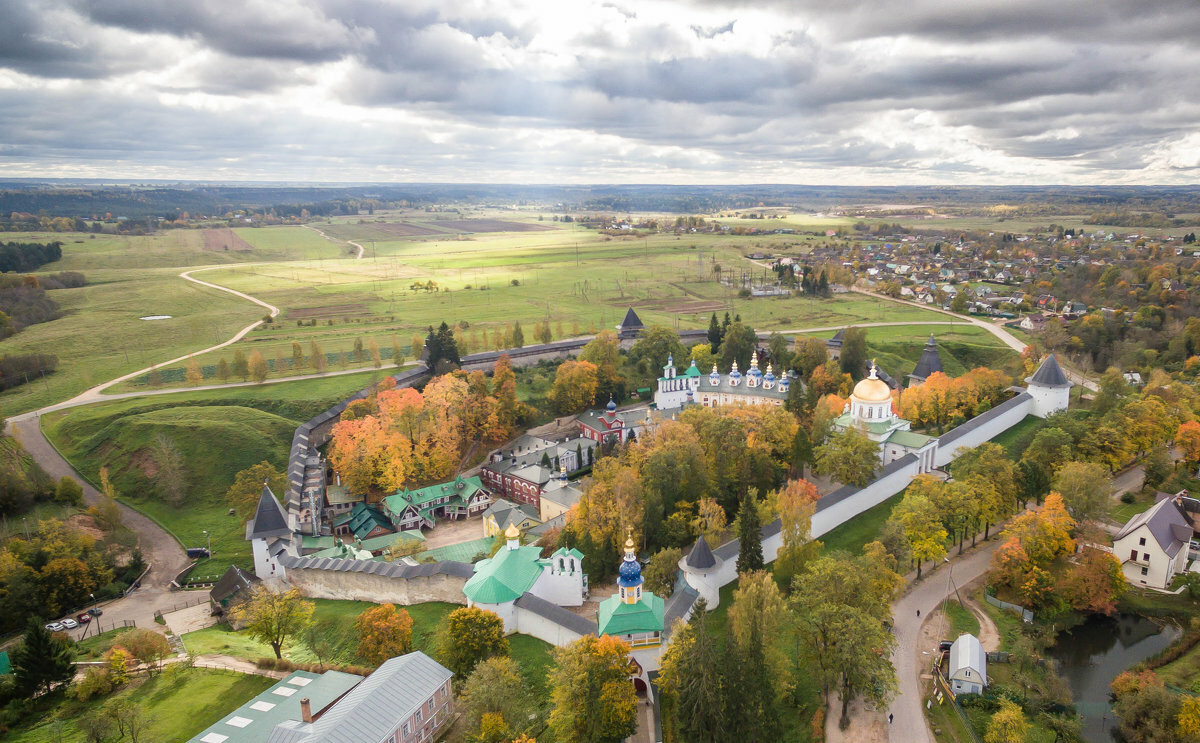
x=962 y=89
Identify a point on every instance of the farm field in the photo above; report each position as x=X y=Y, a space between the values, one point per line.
x=479 y=279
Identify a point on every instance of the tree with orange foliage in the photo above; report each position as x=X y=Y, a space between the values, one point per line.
x=612 y=503
x=383 y=632
x=574 y=388
x=589 y=686
x=508 y=408
x=1187 y=438
x=404 y=410
x=1094 y=583
x=795 y=503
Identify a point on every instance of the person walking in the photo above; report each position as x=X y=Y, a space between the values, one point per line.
x=918 y=613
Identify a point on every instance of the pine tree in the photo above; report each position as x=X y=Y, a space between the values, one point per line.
x=714 y=333
x=433 y=349
x=447 y=346
x=42 y=660
x=750 y=556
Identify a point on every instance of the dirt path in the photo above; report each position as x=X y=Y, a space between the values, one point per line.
x=327 y=237
x=989 y=635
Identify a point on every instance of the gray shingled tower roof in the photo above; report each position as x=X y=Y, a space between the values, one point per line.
x=701 y=557
x=930 y=361
x=1049 y=374
x=269 y=520
x=631 y=320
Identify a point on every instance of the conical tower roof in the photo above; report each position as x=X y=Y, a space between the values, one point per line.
x=930 y=361
x=1049 y=374
x=701 y=557
x=270 y=520
x=631 y=320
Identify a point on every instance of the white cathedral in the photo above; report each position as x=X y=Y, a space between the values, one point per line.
x=693 y=388
x=870 y=411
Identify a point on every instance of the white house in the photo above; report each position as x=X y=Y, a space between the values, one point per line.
x=968 y=666
x=1153 y=546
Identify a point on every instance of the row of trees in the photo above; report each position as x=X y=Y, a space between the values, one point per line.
x=683 y=478
x=398 y=437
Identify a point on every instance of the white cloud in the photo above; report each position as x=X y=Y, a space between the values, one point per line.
x=931 y=91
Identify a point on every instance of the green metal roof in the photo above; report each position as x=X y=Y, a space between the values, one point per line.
x=364 y=519
x=692 y=371
x=5 y=665
x=255 y=719
x=461 y=552
x=387 y=540
x=618 y=618
x=336 y=495
x=845 y=420
x=462 y=487
x=343 y=551
x=317 y=543
x=572 y=552
x=909 y=439
x=506 y=576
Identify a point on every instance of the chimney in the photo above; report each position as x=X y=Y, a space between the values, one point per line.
x=306 y=710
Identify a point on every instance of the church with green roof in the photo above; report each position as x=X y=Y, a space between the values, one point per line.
x=517 y=570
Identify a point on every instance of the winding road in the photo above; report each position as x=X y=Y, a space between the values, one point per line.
x=361 y=249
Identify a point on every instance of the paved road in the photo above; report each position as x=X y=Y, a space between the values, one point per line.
x=159 y=548
x=910 y=725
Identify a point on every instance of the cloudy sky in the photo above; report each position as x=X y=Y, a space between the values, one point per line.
x=603 y=91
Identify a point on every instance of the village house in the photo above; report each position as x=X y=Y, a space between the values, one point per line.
x=968 y=666
x=1153 y=546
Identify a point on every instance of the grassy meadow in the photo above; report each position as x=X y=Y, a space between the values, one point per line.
x=179 y=706
x=580 y=278
x=217 y=432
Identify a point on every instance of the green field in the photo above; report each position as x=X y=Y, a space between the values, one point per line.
x=579 y=277
x=178 y=705
x=218 y=432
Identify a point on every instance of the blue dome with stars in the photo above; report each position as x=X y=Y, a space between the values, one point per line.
x=629 y=575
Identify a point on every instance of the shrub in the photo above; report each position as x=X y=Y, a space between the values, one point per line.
x=96 y=682
x=1128 y=497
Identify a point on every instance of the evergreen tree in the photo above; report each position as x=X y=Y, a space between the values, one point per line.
x=447 y=345
x=42 y=660
x=750 y=700
x=750 y=557
x=823 y=285
x=725 y=324
x=518 y=335
x=696 y=702
x=854 y=353
x=714 y=333
x=433 y=348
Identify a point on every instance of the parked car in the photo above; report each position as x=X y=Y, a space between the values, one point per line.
x=95 y=612
x=84 y=618
x=69 y=623
x=944 y=646
x=55 y=627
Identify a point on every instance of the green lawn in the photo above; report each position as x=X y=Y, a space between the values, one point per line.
x=862 y=529
x=96 y=646
x=179 y=706
x=962 y=621
x=1016 y=439
x=218 y=433
x=1122 y=512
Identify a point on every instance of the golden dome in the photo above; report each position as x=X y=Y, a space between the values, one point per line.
x=512 y=532
x=872 y=388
